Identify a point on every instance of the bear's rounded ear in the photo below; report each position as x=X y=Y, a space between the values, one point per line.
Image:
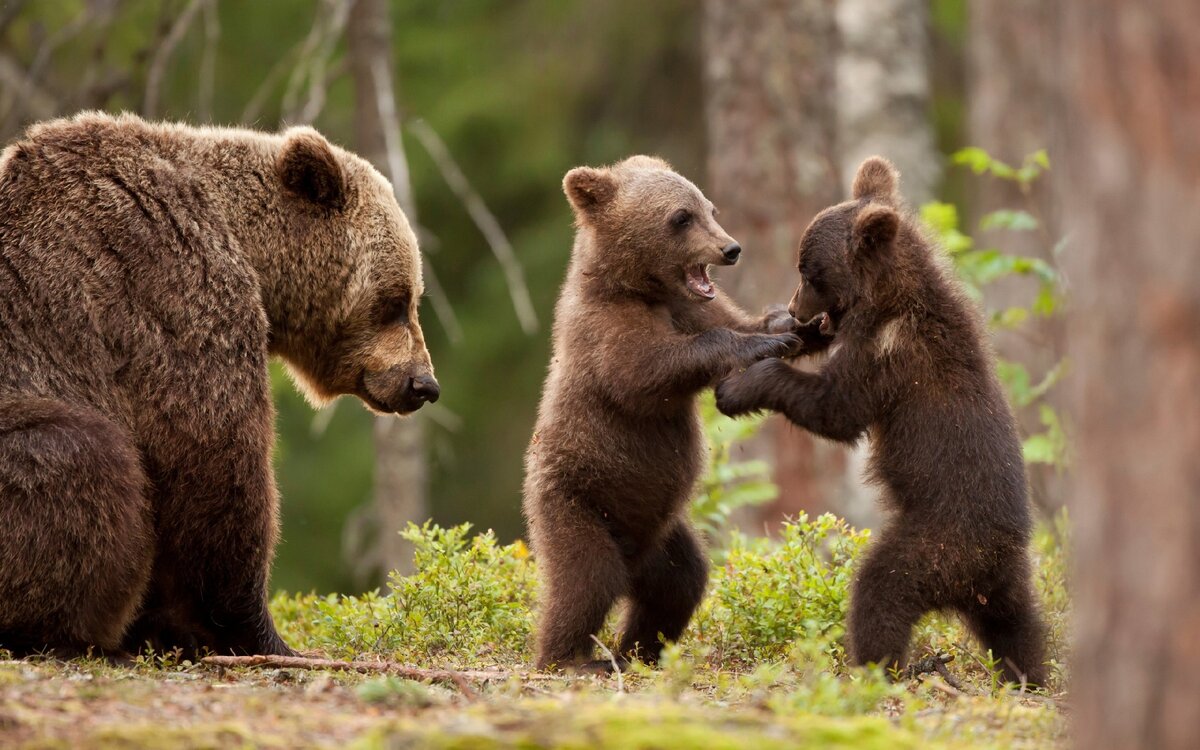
x=308 y=167
x=876 y=179
x=589 y=189
x=874 y=228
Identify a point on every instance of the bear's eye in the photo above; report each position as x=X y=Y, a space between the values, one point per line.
x=681 y=218
x=392 y=311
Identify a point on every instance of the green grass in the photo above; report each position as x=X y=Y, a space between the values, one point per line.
x=761 y=666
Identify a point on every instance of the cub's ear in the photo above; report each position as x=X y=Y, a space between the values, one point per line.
x=876 y=179
x=589 y=189
x=308 y=167
x=874 y=228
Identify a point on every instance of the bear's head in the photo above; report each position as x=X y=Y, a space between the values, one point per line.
x=848 y=252
x=350 y=325
x=654 y=233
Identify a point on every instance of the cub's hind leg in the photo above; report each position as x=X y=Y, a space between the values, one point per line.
x=665 y=588
x=582 y=574
x=76 y=544
x=892 y=589
x=1007 y=621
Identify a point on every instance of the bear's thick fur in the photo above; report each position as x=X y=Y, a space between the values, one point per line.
x=912 y=369
x=147 y=273
x=639 y=331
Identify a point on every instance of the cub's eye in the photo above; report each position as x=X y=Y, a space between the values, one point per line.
x=681 y=218
x=392 y=311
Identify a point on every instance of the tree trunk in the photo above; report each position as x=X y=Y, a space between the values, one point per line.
x=1010 y=114
x=401 y=481
x=884 y=92
x=1129 y=186
x=883 y=102
x=770 y=81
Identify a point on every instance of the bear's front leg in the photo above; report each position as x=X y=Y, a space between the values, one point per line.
x=216 y=528
x=754 y=388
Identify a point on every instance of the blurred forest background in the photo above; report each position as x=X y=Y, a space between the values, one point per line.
x=766 y=104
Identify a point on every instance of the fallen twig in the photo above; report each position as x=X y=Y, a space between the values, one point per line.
x=936 y=664
x=613 y=660
x=458 y=678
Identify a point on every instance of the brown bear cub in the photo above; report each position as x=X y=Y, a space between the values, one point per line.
x=147 y=273
x=911 y=368
x=639 y=331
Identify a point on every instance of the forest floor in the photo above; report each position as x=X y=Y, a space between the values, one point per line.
x=762 y=665
x=91 y=704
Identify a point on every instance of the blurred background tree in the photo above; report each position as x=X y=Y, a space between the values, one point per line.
x=476 y=108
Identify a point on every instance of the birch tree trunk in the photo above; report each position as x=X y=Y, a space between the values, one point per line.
x=1129 y=186
x=770 y=106
x=401 y=478
x=884 y=92
x=883 y=107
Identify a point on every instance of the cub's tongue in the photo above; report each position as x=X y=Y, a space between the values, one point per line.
x=699 y=283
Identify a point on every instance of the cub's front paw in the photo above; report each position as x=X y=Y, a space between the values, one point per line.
x=777 y=319
x=767 y=346
x=816 y=334
x=742 y=393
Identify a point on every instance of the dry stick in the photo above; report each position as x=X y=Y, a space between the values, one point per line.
x=613 y=659
x=484 y=219
x=162 y=55
x=385 y=102
x=458 y=678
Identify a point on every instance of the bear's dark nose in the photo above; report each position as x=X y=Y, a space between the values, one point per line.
x=425 y=388
x=732 y=252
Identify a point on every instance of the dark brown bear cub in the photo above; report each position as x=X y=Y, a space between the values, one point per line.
x=910 y=368
x=639 y=331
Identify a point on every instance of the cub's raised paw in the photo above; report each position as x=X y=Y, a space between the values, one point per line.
x=744 y=392
x=816 y=334
x=767 y=346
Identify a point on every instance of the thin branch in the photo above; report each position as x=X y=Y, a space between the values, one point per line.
x=397 y=167
x=38 y=102
x=613 y=660
x=158 y=65
x=458 y=678
x=208 y=60
x=314 y=55
x=319 y=90
x=385 y=101
x=484 y=219
x=442 y=309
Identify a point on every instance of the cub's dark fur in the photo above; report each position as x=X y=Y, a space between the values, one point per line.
x=639 y=331
x=910 y=368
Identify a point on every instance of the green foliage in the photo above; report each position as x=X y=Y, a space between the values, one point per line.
x=468 y=602
x=729 y=483
x=979 y=267
x=768 y=594
x=771 y=602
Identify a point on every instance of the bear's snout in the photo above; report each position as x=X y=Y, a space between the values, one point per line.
x=398 y=390
x=732 y=252
x=425 y=388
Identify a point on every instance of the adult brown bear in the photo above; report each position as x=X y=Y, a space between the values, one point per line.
x=147 y=273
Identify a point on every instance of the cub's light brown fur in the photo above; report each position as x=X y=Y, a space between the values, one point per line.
x=147 y=272
x=618 y=446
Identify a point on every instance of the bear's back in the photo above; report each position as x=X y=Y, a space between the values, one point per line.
x=117 y=263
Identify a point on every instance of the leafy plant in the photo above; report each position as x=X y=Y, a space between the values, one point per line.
x=729 y=484
x=979 y=267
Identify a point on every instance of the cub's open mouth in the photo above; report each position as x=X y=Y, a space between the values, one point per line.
x=698 y=282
